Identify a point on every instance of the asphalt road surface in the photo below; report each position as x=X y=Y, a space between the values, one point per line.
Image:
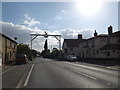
x=47 y=73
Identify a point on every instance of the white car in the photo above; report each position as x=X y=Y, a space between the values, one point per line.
x=71 y=58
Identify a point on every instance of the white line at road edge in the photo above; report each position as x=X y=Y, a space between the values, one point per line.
x=27 y=79
x=8 y=70
x=94 y=68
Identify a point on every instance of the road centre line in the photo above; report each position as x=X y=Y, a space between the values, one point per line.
x=92 y=77
x=84 y=74
x=28 y=76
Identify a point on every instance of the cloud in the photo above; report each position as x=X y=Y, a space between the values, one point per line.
x=23 y=34
x=48 y=26
x=30 y=21
x=63 y=11
x=58 y=17
x=72 y=33
x=87 y=33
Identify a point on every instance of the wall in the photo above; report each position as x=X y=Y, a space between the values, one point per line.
x=70 y=50
x=91 y=48
x=8 y=50
x=0 y=50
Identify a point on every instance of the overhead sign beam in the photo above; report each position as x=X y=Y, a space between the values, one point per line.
x=58 y=37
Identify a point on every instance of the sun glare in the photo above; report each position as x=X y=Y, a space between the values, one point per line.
x=89 y=7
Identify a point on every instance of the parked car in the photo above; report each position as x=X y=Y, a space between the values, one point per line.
x=71 y=58
x=21 y=59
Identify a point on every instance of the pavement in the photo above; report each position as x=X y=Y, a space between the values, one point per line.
x=114 y=67
x=13 y=75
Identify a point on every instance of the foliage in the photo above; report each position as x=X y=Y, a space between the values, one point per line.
x=55 y=54
x=34 y=53
x=45 y=53
x=24 y=49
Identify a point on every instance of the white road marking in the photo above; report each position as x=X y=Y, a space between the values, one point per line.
x=8 y=70
x=84 y=66
x=27 y=79
x=87 y=75
x=109 y=84
x=84 y=74
x=18 y=86
x=92 y=77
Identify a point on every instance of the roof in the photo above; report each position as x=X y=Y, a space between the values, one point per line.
x=116 y=34
x=8 y=37
x=101 y=35
x=111 y=47
x=73 y=42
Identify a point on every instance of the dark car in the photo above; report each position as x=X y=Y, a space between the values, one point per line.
x=71 y=58
x=21 y=59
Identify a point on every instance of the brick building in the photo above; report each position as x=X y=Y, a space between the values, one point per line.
x=7 y=49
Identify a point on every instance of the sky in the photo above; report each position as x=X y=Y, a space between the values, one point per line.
x=69 y=19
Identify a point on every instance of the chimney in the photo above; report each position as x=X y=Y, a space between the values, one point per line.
x=79 y=36
x=95 y=34
x=110 y=29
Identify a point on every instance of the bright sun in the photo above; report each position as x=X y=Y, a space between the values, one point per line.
x=89 y=7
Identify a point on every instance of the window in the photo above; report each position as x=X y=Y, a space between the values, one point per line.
x=97 y=51
x=113 y=51
x=93 y=51
x=87 y=51
x=117 y=52
x=71 y=49
x=10 y=43
x=108 y=53
x=14 y=46
x=10 y=54
x=65 y=50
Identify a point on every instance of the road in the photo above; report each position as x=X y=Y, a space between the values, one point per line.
x=47 y=73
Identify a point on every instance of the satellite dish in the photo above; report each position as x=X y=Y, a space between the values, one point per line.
x=15 y=38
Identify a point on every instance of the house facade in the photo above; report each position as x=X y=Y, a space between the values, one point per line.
x=71 y=46
x=8 y=50
x=0 y=50
x=101 y=46
x=112 y=49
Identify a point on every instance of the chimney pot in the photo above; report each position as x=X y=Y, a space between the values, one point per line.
x=79 y=36
x=110 y=30
x=95 y=34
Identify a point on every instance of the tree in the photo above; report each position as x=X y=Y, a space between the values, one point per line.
x=46 y=45
x=23 y=49
x=46 y=54
x=34 y=52
x=55 y=53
